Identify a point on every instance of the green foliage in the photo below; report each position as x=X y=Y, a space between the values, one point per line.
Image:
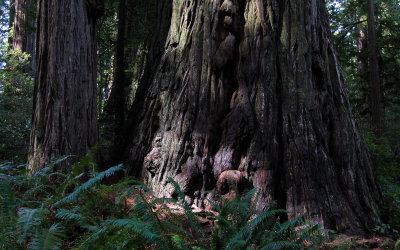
x=142 y=16
x=37 y=225
x=88 y=185
x=7 y=214
x=383 y=157
x=240 y=225
x=106 y=37
x=349 y=27
x=73 y=210
x=16 y=90
x=47 y=239
x=388 y=169
x=5 y=14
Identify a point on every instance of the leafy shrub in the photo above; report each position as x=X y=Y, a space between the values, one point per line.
x=16 y=90
x=7 y=214
x=388 y=171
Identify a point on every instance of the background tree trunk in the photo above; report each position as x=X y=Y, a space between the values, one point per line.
x=250 y=94
x=374 y=80
x=65 y=111
x=24 y=28
x=362 y=60
x=156 y=51
x=116 y=104
x=11 y=21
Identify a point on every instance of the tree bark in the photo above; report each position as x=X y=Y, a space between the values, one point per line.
x=24 y=29
x=130 y=58
x=374 y=79
x=361 y=45
x=11 y=22
x=155 y=53
x=116 y=104
x=65 y=112
x=250 y=94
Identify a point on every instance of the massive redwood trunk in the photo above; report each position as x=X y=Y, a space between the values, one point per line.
x=65 y=112
x=250 y=93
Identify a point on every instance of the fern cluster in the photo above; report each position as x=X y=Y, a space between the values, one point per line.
x=75 y=210
x=8 y=214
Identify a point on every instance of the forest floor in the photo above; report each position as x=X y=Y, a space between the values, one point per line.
x=352 y=242
x=340 y=241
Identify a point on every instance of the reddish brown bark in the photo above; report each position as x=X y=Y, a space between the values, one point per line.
x=254 y=87
x=24 y=28
x=11 y=21
x=65 y=112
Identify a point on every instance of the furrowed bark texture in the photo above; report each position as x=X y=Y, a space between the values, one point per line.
x=65 y=112
x=250 y=94
x=24 y=28
x=11 y=21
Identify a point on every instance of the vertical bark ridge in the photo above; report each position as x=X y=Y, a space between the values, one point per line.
x=24 y=24
x=65 y=111
x=250 y=94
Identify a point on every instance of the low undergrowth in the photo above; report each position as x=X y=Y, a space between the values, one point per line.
x=387 y=168
x=52 y=210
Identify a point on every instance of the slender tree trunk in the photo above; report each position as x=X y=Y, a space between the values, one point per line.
x=361 y=45
x=24 y=28
x=155 y=53
x=65 y=112
x=250 y=94
x=376 y=99
x=129 y=63
x=11 y=21
x=116 y=103
x=362 y=69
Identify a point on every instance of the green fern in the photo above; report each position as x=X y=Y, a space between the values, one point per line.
x=194 y=222
x=144 y=229
x=240 y=225
x=179 y=243
x=47 y=239
x=251 y=231
x=123 y=232
x=281 y=245
x=29 y=220
x=72 y=217
x=7 y=215
x=39 y=190
x=95 y=216
x=232 y=221
x=88 y=185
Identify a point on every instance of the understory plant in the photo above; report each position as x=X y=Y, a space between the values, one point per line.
x=388 y=171
x=77 y=210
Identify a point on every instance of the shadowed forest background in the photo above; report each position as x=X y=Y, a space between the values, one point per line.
x=185 y=124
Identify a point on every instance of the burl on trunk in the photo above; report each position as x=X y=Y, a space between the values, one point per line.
x=250 y=94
